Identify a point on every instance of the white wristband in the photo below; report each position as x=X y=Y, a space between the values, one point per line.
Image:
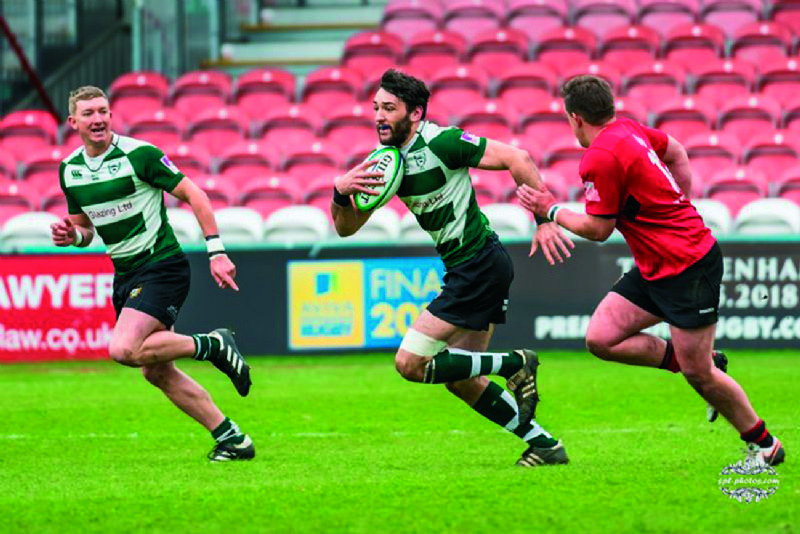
x=214 y=245
x=551 y=213
x=78 y=238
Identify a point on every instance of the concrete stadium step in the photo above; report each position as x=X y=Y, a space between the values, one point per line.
x=312 y=23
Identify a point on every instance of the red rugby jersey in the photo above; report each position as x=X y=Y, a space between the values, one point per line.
x=624 y=177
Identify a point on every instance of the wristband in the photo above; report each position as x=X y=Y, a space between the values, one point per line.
x=541 y=220
x=340 y=199
x=78 y=238
x=214 y=245
x=551 y=213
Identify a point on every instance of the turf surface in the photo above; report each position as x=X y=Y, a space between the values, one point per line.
x=345 y=445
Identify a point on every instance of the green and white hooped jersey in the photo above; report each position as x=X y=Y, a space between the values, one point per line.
x=121 y=191
x=437 y=189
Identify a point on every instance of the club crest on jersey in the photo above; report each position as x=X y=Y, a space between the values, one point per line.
x=416 y=159
x=168 y=164
x=590 y=192
x=469 y=138
x=114 y=167
x=135 y=292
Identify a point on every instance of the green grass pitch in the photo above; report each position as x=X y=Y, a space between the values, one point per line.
x=345 y=445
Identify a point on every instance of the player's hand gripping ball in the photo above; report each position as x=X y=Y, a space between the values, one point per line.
x=390 y=163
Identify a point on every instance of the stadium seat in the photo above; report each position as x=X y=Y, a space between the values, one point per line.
x=694 y=45
x=239 y=225
x=747 y=116
x=268 y=194
x=23 y=131
x=525 y=84
x=629 y=46
x=510 y=221
x=199 y=91
x=372 y=51
x=493 y=119
x=528 y=144
x=772 y=152
x=664 y=15
x=160 y=127
x=71 y=139
x=786 y=12
x=260 y=90
x=358 y=151
x=561 y=48
x=382 y=226
x=311 y=161
x=135 y=93
x=318 y=192
x=787 y=184
x=54 y=201
x=410 y=230
x=654 y=83
x=498 y=51
x=184 y=224
x=328 y=87
x=737 y=186
x=683 y=117
x=191 y=159
x=564 y=156
x=488 y=189
x=602 y=15
x=761 y=42
x=780 y=79
x=470 y=18
x=730 y=15
x=350 y=124
x=285 y=127
x=712 y=151
x=600 y=69
x=430 y=51
x=8 y=165
x=544 y=121
x=715 y=214
x=535 y=17
x=791 y=115
x=297 y=224
x=221 y=193
x=631 y=108
x=722 y=80
x=407 y=17
x=28 y=229
x=455 y=86
x=40 y=167
x=245 y=160
x=216 y=129
x=768 y=216
x=16 y=198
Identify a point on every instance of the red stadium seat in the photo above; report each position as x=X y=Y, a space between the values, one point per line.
x=564 y=156
x=430 y=51
x=318 y=192
x=493 y=119
x=694 y=45
x=267 y=194
x=315 y=160
x=791 y=116
x=372 y=80
x=8 y=165
x=654 y=83
x=545 y=121
x=23 y=131
x=454 y=87
x=730 y=15
x=736 y=187
x=664 y=15
x=199 y=91
x=372 y=51
x=246 y=160
x=596 y=68
x=528 y=144
x=526 y=84
x=724 y=80
x=191 y=158
x=218 y=128
x=773 y=152
x=631 y=108
x=535 y=17
x=350 y=124
x=220 y=193
x=762 y=42
x=747 y=116
x=629 y=46
x=134 y=93
x=602 y=15
x=786 y=12
x=487 y=190
x=54 y=201
x=40 y=167
x=358 y=152
x=685 y=116
x=407 y=17
x=788 y=184
x=498 y=51
x=16 y=198
x=780 y=79
x=160 y=127
x=710 y=152
x=260 y=90
x=328 y=87
x=561 y=48
x=292 y=125
x=470 y=18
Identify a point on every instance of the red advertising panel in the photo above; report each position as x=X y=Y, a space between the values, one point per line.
x=55 y=307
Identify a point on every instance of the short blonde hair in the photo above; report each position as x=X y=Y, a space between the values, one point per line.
x=87 y=92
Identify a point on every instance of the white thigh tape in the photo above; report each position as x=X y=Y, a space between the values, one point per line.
x=421 y=344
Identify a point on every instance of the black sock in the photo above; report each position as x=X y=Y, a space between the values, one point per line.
x=670 y=362
x=758 y=435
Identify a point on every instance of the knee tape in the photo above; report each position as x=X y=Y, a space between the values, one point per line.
x=421 y=344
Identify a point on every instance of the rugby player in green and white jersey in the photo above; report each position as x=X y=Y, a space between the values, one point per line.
x=447 y=343
x=114 y=187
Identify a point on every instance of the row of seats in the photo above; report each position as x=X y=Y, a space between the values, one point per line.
x=310 y=224
x=470 y=17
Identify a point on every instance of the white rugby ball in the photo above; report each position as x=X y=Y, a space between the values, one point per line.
x=390 y=163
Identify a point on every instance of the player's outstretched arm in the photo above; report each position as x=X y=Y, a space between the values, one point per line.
x=677 y=161
x=222 y=268
x=543 y=203
x=346 y=217
x=76 y=230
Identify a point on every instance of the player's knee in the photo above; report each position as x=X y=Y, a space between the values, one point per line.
x=123 y=353
x=158 y=375
x=699 y=377
x=409 y=366
x=598 y=345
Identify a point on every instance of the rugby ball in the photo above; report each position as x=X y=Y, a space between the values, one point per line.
x=390 y=163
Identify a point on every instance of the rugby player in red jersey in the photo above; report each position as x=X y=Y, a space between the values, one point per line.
x=637 y=180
